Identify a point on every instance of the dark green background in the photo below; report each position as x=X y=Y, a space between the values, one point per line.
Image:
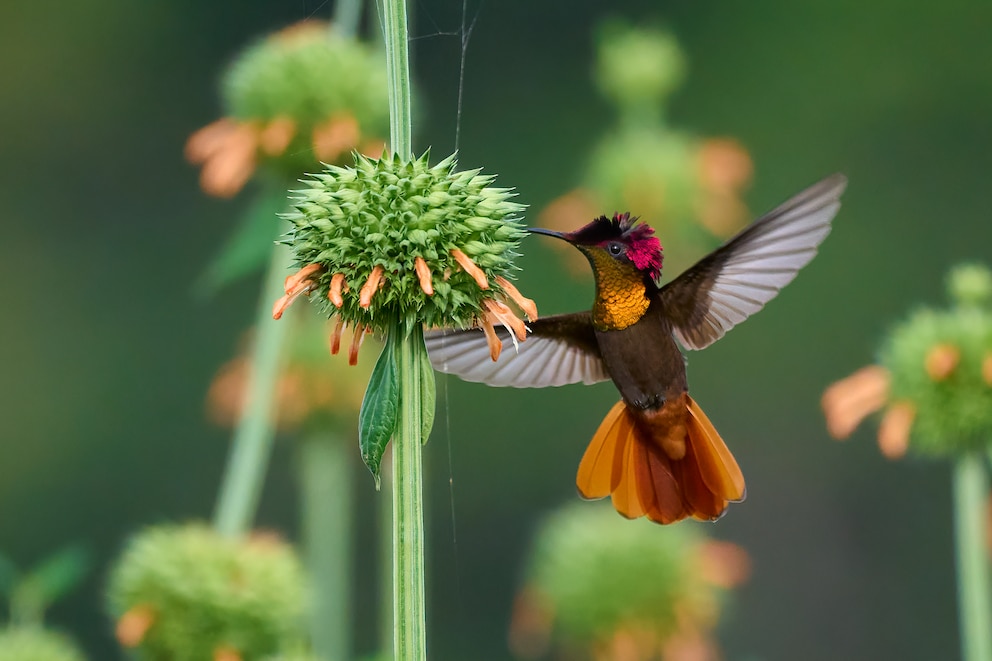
x=105 y=354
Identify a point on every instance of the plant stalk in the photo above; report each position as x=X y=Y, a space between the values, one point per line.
x=244 y=476
x=971 y=487
x=326 y=490
x=347 y=16
x=409 y=616
x=385 y=557
x=396 y=37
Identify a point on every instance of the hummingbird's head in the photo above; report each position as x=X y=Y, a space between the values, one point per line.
x=622 y=238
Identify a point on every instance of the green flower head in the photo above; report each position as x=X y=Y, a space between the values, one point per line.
x=391 y=244
x=184 y=592
x=940 y=365
x=392 y=241
x=299 y=97
x=638 y=66
x=597 y=576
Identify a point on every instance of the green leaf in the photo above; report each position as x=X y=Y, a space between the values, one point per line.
x=428 y=392
x=51 y=580
x=58 y=574
x=380 y=408
x=248 y=248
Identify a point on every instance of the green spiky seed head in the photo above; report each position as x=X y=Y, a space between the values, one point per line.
x=36 y=644
x=601 y=574
x=953 y=405
x=311 y=75
x=207 y=592
x=386 y=213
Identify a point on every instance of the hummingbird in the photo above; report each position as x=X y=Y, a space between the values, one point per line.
x=656 y=454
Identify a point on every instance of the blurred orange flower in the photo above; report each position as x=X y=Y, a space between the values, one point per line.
x=308 y=386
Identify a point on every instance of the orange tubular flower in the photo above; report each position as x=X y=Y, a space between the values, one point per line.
x=851 y=400
x=133 y=625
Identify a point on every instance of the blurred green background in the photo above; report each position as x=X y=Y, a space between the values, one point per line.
x=106 y=353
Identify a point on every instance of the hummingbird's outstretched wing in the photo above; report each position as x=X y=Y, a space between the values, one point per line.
x=736 y=280
x=559 y=350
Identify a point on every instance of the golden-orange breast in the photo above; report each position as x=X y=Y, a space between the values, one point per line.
x=621 y=296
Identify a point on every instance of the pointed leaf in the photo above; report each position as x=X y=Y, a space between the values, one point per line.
x=249 y=247
x=60 y=573
x=51 y=580
x=428 y=391
x=380 y=408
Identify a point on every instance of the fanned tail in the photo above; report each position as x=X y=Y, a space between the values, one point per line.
x=665 y=470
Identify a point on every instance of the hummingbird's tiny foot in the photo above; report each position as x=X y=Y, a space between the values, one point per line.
x=649 y=402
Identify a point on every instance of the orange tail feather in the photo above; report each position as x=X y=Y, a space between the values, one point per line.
x=717 y=466
x=601 y=465
x=630 y=460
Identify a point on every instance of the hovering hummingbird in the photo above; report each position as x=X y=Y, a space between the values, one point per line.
x=656 y=453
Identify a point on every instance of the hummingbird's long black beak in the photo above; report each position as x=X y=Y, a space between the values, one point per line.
x=539 y=230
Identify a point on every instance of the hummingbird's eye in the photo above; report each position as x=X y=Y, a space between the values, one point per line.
x=615 y=248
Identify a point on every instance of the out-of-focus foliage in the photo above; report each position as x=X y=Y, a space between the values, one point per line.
x=316 y=390
x=309 y=73
x=184 y=592
x=30 y=593
x=688 y=188
x=36 y=644
x=934 y=377
x=596 y=581
x=297 y=99
x=941 y=363
x=638 y=68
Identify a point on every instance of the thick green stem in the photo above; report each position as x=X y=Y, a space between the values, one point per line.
x=385 y=558
x=971 y=487
x=244 y=476
x=409 y=617
x=347 y=16
x=396 y=35
x=326 y=481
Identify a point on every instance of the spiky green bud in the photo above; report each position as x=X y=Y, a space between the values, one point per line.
x=599 y=575
x=203 y=592
x=970 y=285
x=638 y=67
x=385 y=214
x=310 y=75
x=36 y=644
x=940 y=362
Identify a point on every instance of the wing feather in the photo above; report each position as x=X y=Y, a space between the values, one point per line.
x=738 y=279
x=558 y=350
